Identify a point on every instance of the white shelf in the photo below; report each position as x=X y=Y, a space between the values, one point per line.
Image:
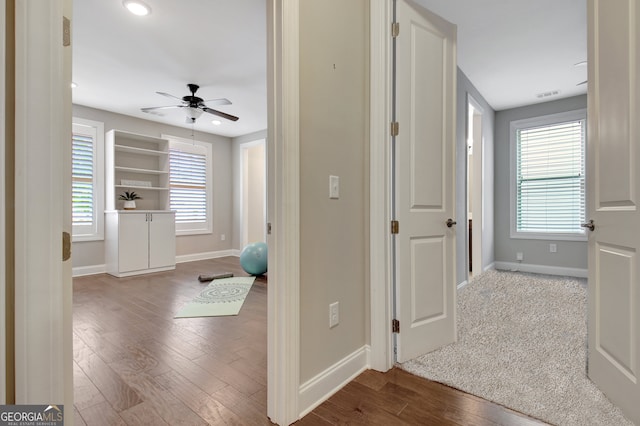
x=141 y=160
x=141 y=171
x=134 y=150
x=152 y=188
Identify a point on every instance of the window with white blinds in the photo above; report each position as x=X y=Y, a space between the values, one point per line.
x=190 y=183
x=549 y=179
x=87 y=145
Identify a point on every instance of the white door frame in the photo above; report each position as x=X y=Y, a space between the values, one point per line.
x=43 y=344
x=244 y=147
x=478 y=193
x=283 y=171
x=381 y=291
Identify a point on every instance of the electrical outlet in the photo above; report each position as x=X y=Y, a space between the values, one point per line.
x=223 y=237
x=334 y=314
x=519 y=256
x=553 y=248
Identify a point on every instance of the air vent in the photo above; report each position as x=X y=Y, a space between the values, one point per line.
x=548 y=94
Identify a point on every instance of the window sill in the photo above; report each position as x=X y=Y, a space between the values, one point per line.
x=550 y=237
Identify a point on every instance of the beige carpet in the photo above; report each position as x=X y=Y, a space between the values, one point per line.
x=522 y=343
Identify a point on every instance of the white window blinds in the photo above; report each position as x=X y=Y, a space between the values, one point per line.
x=189 y=184
x=83 y=179
x=87 y=175
x=550 y=178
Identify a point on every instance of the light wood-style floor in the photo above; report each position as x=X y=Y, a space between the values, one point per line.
x=134 y=364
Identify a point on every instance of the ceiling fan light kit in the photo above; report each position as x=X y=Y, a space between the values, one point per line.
x=193 y=105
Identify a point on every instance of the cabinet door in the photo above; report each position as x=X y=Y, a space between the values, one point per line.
x=133 y=242
x=162 y=240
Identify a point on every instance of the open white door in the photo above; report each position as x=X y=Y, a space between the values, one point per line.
x=613 y=160
x=424 y=181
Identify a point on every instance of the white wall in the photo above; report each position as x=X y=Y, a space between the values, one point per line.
x=570 y=254
x=91 y=253
x=334 y=87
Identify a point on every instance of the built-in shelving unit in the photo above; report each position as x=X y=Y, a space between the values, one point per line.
x=142 y=240
x=137 y=163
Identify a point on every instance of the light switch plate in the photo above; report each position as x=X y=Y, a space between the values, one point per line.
x=334 y=314
x=334 y=187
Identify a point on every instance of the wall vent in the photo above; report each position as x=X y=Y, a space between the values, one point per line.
x=548 y=94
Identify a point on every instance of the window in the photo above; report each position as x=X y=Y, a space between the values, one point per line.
x=190 y=185
x=548 y=177
x=86 y=180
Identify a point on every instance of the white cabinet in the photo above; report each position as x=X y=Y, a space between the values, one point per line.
x=136 y=163
x=139 y=242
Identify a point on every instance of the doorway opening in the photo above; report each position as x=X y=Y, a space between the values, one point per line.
x=475 y=154
x=254 y=192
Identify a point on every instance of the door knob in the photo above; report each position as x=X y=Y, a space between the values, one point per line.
x=450 y=222
x=589 y=225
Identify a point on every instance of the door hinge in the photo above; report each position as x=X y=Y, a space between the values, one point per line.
x=395 y=29
x=395 y=227
x=395 y=326
x=66 y=246
x=66 y=31
x=395 y=128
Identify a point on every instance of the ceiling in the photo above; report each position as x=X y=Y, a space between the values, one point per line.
x=512 y=50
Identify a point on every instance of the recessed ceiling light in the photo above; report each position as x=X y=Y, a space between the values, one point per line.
x=137 y=7
x=216 y=122
x=74 y=84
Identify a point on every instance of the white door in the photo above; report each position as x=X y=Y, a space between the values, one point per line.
x=133 y=242
x=162 y=240
x=425 y=167
x=613 y=159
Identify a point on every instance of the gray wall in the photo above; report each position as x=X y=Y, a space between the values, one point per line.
x=571 y=254
x=465 y=88
x=91 y=253
x=333 y=141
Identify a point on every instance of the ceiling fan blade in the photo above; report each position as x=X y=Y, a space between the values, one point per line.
x=149 y=109
x=169 y=96
x=219 y=101
x=220 y=114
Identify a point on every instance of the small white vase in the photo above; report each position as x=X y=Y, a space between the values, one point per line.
x=130 y=205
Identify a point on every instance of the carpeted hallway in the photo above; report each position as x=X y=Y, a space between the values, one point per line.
x=522 y=343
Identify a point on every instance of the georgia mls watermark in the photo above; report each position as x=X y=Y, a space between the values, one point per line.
x=31 y=415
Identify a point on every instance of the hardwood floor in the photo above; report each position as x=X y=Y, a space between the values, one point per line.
x=134 y=364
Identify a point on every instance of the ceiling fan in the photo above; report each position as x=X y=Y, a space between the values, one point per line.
x=193 y=105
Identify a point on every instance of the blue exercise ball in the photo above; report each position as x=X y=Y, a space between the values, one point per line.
x=253 y=258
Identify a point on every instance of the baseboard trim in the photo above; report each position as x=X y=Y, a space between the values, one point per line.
x=318 y=389
x=81 y=271
x=542 y=269
x=489 y=267
x=463 y=284
x=207 y=255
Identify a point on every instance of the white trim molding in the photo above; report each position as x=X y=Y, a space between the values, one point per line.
x=83 y=271
x=183 y=258
x=380 y=188
x=319 y=388
x=283 y=141
x=541 y=269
